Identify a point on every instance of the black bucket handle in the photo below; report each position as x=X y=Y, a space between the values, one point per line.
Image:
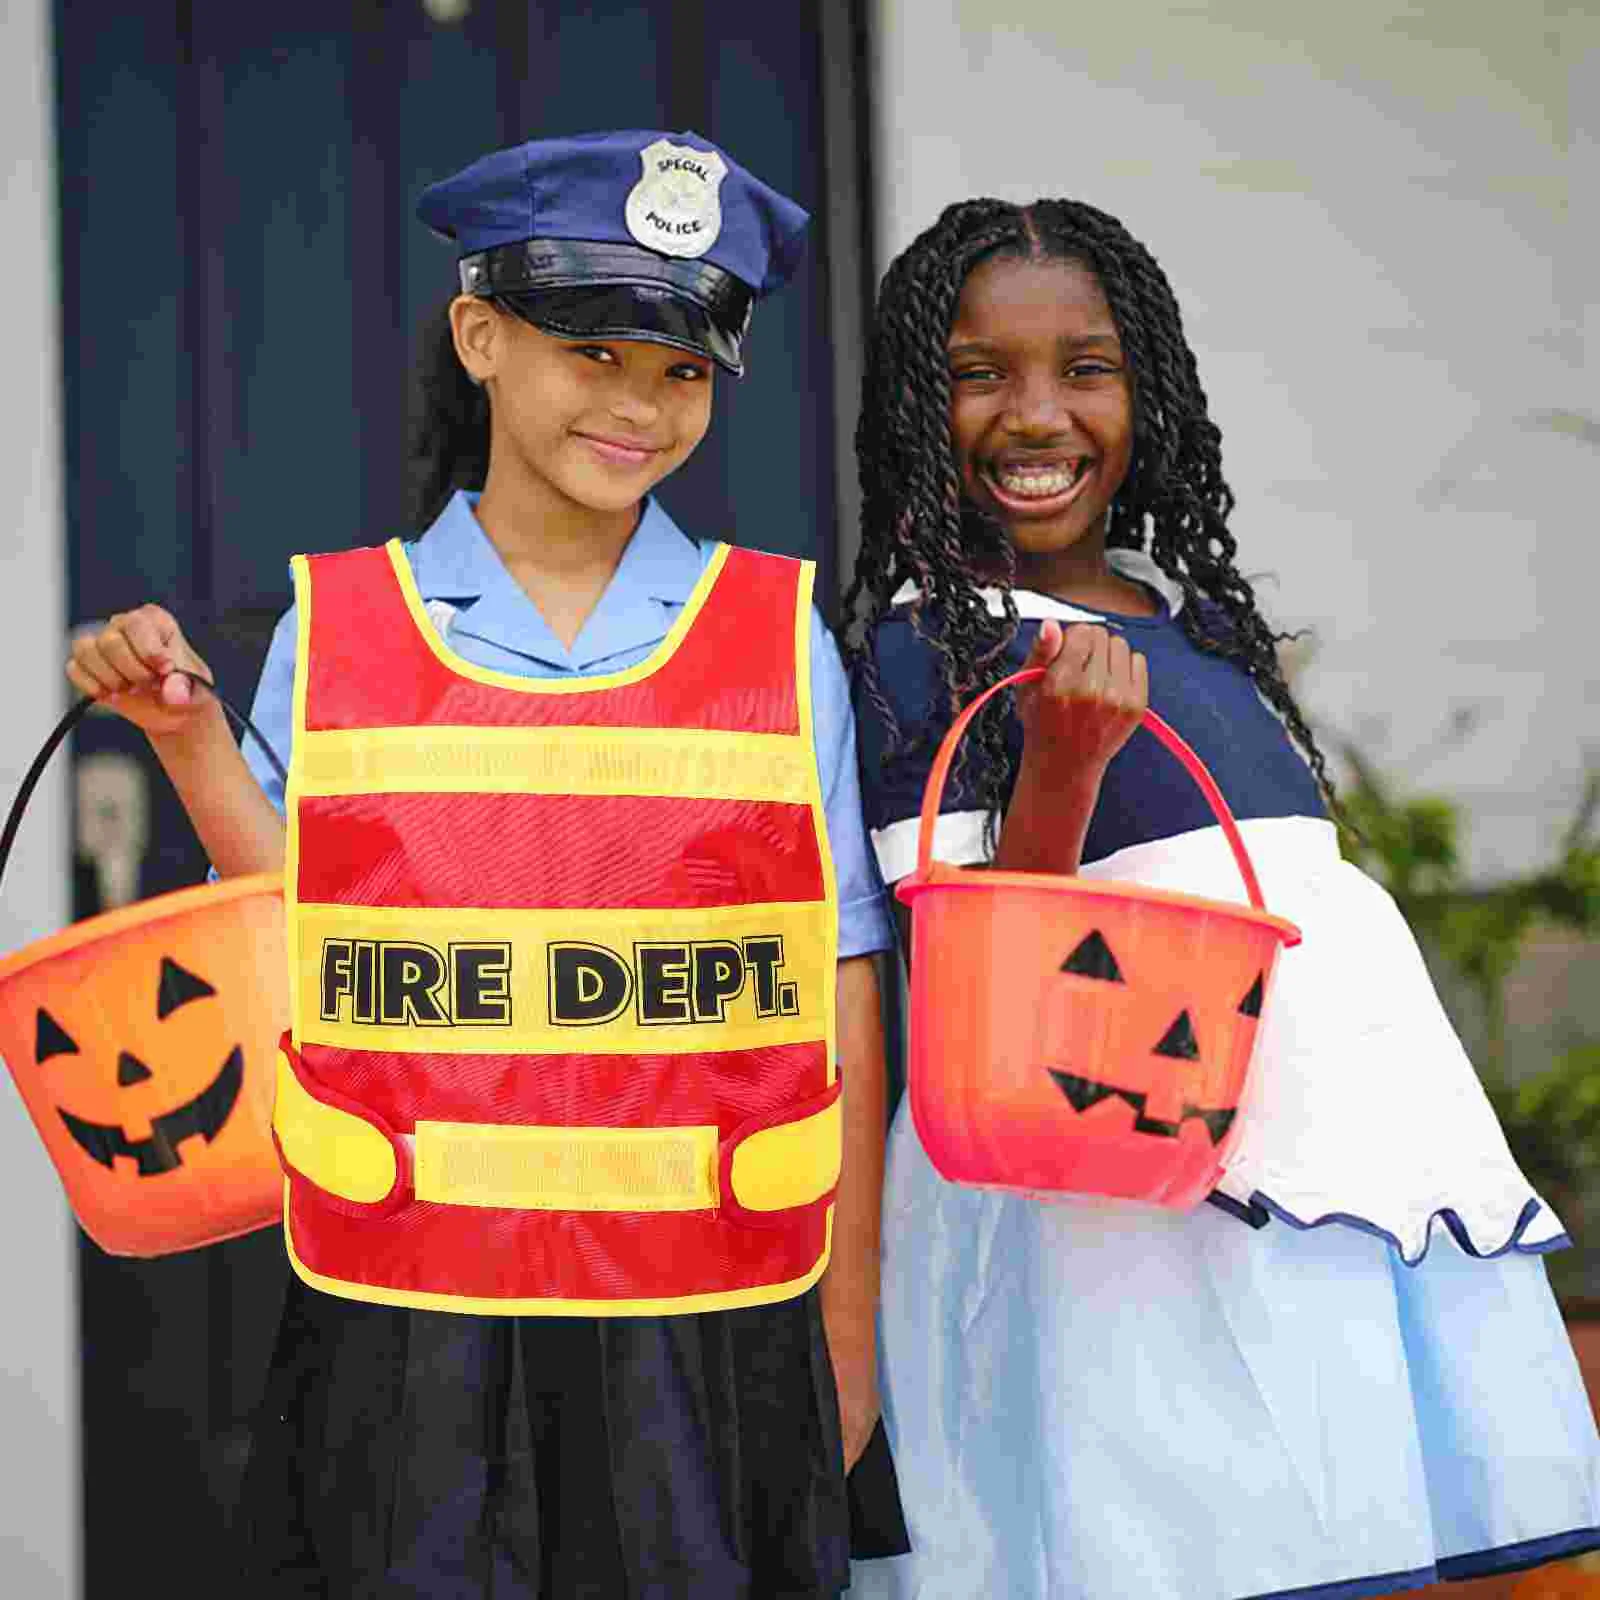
x=76 y=715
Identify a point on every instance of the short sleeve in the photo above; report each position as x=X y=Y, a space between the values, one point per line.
x=272 y=711
x=896 y=759
x=864 y=924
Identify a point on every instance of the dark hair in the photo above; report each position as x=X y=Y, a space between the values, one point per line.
x=917 y=526
x=449 y=444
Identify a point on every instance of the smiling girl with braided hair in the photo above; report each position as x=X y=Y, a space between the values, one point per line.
x=1346 y=1376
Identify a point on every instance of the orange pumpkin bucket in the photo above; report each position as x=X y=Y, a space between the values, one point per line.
x=144 y=1044
x=1081 y=1037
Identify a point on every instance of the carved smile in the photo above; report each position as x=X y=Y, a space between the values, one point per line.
x=1082 y=1093
x=205 y=1115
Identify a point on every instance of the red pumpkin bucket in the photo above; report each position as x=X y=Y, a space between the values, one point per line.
x=144 y=1044
x=1082 y=1037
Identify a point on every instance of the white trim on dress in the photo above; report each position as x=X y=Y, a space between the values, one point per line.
x=1134 y=565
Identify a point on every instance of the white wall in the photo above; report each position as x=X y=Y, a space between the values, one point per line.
x=38 y=1331
x=1383 y=225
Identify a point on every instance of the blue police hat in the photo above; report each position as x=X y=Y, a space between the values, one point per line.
x=636 y=235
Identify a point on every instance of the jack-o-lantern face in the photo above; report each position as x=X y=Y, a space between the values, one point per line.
x=144 y=1043
x=203 y=1113
x=1169 y=1069
x=1100 y=1043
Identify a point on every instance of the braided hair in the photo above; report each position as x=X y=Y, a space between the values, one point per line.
x=917 y=526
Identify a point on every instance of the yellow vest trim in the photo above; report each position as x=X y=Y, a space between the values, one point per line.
x=692 y=764
x=294 y=934
x=653 y=663
x=567 y=1169
x=819 y=815
x=339 y=1152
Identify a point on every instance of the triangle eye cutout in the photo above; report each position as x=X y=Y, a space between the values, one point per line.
x=178 y=988
x=1250 y=1006
x=131 y=1070
x=51 y=1039
x=1179 y=1040
x=1093 y=959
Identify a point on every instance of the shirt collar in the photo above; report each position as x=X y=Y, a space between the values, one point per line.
x=661 y=560
x=456 y=562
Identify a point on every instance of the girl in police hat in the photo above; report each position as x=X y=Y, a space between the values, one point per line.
x=446 y=1414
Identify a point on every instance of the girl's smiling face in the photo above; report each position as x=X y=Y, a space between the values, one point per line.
x=1041 y=408
x=599 y=422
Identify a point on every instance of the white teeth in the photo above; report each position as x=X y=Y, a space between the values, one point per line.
x=1031 y=483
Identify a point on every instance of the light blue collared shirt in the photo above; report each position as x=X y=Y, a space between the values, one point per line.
x=486 y=617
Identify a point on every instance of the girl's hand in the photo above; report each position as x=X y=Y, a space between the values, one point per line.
x=855 y=1376
x=1096 y=688
x=135 y=666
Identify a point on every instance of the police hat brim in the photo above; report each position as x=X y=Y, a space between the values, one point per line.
x=581 y=290
x=630 y=312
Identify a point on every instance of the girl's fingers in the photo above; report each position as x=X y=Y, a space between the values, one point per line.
x=1077 y=650
x=83 y=683
x=1089 y=645
x=120 y=654
x=1094 y=673
x=139 y=664
x=1123 y=675
x=1119 y=661
x=1043 y=652
x=177 y=690
x=99 y=677
x=1141 y=682
x=154 y=636
x=1046 y=644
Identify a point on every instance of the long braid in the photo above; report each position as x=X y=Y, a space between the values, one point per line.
x=914 y=523
x=1174 y=500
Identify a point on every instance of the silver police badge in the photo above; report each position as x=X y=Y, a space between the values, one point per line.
x=674 y=207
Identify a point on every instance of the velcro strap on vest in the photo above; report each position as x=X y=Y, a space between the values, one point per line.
x=330 y=1140
x=767 y=1167
x=567 y=1169
x=771 y=1165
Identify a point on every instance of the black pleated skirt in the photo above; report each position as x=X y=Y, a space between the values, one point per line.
x=429 y=1454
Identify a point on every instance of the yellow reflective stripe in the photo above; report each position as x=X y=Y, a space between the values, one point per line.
x=301 y=570
x=764 y=1294
x=337 y=1151
x=687 y=764
x=465 y=980
x=790 y=1165
x=567 y=1169
x=653 y=663
x=819 y=815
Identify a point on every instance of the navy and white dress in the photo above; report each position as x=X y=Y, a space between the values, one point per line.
x=1364 y=1387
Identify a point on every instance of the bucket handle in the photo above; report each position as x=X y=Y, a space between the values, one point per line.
x=76 y=715
x=933 y=793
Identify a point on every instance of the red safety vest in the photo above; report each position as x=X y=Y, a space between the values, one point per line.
x=562 y=960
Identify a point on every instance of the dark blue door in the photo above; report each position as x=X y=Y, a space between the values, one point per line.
x=243 y=282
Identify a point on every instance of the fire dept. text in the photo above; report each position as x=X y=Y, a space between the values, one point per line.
x=667 y=981
x=401 y=981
